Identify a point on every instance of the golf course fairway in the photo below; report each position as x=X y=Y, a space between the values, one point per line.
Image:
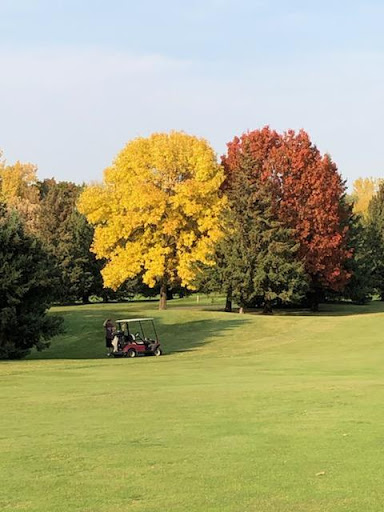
x=242 y=413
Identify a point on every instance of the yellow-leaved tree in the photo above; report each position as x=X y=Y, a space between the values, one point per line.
x=18 y=190
x=157 y=211
x=363 y=191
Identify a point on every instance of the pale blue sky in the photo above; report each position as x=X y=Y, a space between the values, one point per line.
x=81 y=78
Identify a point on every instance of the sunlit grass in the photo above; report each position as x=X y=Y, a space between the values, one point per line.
x=242 y=413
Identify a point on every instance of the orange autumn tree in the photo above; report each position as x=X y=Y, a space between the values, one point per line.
x=309 y=196
x=156 y=214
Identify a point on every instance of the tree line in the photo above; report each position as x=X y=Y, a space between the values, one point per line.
x=271 y=224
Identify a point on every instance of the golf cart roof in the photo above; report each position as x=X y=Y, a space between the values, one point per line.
x=135 y=320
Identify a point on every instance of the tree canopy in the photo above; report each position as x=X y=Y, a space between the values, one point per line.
x=308 y=193
x=157 y=211
x=375 y=238
x=257 y=258
x=269 y=222
x=27 y=287
x=363 y=191
x=19 y=190
x=68 y=237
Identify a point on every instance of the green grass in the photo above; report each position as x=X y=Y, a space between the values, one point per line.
x=243 y=413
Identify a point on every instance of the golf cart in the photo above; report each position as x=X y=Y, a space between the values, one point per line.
x=132 y=340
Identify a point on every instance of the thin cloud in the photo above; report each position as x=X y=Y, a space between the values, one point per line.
x=71 y=111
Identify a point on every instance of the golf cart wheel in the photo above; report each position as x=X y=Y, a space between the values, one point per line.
x=131 y=353
x=157 y=352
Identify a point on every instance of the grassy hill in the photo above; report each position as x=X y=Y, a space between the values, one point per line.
x=242 y=413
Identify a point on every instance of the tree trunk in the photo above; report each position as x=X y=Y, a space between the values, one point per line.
x=85 y=299
x=314 y=300
x=241 y=310
x=267 y=310
x=163 y=297
x=228 y=302
x=315 y=305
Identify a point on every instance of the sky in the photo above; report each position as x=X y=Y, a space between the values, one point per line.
x=80 y=78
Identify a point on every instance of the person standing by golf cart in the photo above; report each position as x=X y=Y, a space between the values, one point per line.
x=109 y=334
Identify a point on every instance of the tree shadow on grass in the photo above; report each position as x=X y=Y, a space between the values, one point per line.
x=325 y=310
x=335 y=309
x=84 y=336
x=86 y=341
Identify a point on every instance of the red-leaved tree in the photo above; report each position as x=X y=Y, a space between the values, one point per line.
x=309 y=197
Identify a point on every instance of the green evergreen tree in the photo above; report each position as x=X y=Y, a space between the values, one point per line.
x=375 y=239
x=80 y=268
x=68 y=237
x=361 y=286
x=27 y=287
x=256 y=262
